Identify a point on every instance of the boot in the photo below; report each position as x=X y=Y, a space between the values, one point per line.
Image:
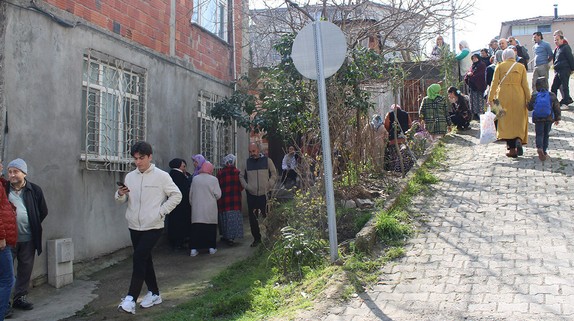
x=512 y=153
x=519 y=149
x=541 y=155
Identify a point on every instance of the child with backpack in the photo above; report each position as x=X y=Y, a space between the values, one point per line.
x=545 y=111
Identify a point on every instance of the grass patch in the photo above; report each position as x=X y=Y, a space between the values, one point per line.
x=251 y=290
x=254 y=290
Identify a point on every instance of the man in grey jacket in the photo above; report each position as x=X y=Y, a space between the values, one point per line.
x=151 y=195
x=258 y=178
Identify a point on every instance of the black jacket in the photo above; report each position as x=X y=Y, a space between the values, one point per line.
x=37 y=210
x=563 y=59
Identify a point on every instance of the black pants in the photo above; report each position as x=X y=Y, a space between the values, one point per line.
x=562 y=78
x=289 y=175
x=142 y=270
x=257 y=206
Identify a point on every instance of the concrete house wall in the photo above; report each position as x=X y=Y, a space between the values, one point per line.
x=41 y=67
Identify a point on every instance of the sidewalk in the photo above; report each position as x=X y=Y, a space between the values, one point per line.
x=179 y=277
x=495 y=241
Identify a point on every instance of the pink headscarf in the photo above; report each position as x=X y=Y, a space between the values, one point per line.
x=393 y=106
x=206 y=168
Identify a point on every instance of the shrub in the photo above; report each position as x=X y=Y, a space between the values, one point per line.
x=296 y=250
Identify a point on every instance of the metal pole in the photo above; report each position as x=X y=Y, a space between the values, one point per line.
x=453 y=32
x=325 y=141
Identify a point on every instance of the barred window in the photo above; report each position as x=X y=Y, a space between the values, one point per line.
x=212 y=16
x=113 y=110
x=215 y=139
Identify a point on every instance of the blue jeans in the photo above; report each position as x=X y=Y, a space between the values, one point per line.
x=542 y=130
x=6 y=279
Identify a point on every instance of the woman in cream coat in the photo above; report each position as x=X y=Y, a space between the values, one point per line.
x=203 y=196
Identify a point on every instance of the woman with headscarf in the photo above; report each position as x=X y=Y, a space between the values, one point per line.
x=397 y=123
x=510 y=89
x=463 y=58
x=433 y=112
x=203 y=196
x=476 y=80
x=198 y=161
x=179 y=220
x=461 y=114
x=229 y=205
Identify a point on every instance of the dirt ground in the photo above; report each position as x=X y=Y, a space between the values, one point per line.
x=179 y=277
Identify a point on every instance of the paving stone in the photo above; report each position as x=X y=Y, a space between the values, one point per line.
x=494 y=241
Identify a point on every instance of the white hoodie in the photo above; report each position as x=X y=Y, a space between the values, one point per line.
x=152 y=196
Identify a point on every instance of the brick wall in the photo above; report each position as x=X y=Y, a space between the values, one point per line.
x=146 y=22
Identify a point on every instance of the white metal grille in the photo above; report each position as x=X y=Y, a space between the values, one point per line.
x=113 y=110
x=215 y=140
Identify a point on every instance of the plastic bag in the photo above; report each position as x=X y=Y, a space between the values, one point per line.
x=487 y=129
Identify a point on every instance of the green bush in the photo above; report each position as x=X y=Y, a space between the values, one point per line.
x=296 y=250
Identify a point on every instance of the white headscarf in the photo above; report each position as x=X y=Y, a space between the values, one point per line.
x=229 y=159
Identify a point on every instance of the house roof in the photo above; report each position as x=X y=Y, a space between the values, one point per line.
x=539 y=20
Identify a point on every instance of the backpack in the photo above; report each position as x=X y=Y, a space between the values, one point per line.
x=542 y=105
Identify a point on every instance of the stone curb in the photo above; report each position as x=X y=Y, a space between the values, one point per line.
x=366 y=238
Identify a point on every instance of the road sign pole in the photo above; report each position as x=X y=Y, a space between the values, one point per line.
x=325 y=140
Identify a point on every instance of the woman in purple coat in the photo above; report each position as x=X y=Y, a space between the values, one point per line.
x=476 y=80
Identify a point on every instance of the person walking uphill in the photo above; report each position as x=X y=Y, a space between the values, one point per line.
x=151 y=194
x=563 y=67
x=510 y=87
x=31 y=210
x=258 y=178
x=8 y=239
x=545 y=111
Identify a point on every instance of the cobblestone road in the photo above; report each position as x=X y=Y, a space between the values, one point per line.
x=495 y=240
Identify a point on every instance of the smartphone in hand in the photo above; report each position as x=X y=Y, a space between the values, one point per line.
x=120 y=184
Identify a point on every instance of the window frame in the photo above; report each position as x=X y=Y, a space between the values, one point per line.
x=114 y=111
x=218 y=10
x=221 y=139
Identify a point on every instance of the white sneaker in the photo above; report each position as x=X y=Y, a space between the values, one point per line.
x=193 y=252
x=150 y=300
x=128 y=305
x=212 y=250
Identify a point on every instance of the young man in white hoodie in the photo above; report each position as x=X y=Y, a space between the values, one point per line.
x=151 y=195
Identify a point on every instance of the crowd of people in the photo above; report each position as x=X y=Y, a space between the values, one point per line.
x=496 y=76
x=195 y=207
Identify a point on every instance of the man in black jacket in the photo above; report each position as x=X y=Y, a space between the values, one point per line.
x=563 y=67
x=31 y=210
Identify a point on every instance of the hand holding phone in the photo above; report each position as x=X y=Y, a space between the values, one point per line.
x=122 y=188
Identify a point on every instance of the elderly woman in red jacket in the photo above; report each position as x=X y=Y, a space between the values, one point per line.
x=229 y=205
x=8 y=239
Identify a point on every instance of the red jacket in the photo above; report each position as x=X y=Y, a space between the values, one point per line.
x=230 y=189
x=8 y=229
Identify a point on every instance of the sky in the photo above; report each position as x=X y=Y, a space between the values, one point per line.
x=484 y=22
x=488 y=15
